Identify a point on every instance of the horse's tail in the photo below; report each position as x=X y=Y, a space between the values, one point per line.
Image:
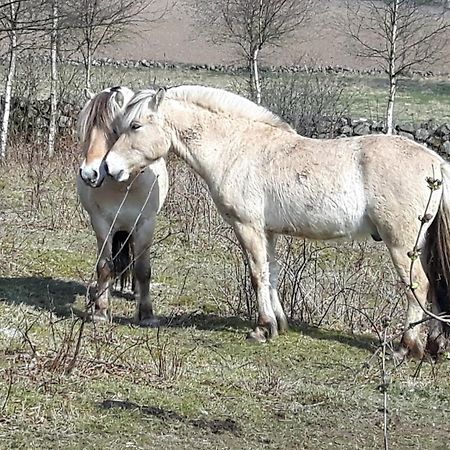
x=438 y=262
x=123 y=259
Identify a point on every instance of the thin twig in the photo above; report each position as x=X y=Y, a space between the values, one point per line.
x=8 y=393
x=384 y=387
x=433 y=184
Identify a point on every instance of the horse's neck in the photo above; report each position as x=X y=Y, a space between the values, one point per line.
x=200 y=147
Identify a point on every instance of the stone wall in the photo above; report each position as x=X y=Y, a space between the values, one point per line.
x=434 y=135
x=31 y=118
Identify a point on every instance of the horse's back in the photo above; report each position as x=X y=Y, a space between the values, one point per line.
x=326 y=189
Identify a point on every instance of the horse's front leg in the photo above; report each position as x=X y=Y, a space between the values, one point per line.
x=144 y=309
x=101 y=310
x=273 y=280
x=253 y=241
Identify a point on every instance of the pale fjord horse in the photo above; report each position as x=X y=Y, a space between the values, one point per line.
x=267 y=180
x=117 y=248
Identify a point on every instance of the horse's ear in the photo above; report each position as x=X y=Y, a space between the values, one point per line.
x=88 y=94
x=119 y=98
x=157 y=99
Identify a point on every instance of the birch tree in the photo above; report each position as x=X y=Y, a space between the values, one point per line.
x=21 y=28
x=53 y=78
x=99 y=23
x=401 y=35
x=252 y=25
x=9 y=18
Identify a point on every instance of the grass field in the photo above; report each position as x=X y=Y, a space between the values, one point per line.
x=195 y=383
x=418 y=100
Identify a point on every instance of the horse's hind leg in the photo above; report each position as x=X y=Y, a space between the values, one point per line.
x=273 y=280
x=253 y=241
x=411 y=343
x=142 y=269
x=104 y=272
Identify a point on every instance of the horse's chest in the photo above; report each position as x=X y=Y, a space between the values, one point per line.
x=124 y=214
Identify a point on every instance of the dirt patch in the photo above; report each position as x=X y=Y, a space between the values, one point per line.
x=178 y=39
x=216 y=426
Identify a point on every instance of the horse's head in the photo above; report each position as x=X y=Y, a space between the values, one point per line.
x=143 y=138
x=96 y=130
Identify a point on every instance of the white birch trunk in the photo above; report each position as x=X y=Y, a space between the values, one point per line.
x=390 y=107
x=8 y=92
x=392 y=69
x=53 y=81
x=256 y=79
x=88 y=68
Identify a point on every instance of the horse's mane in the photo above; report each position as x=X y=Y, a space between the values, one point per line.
x=213 y=99
x=101 y=111
x=137 y=106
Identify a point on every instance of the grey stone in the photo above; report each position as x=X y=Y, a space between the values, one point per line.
x=421 y=135
x=346 y=130
x=406 y=134
x=361 y=129
x=443 y=130
x=406 y=127
x=445 y=148
x=434 y=141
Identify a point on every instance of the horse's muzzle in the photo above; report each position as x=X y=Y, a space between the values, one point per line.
x=92 y=177
x=114 y=170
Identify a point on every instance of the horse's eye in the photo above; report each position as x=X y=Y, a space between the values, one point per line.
x=135 y=125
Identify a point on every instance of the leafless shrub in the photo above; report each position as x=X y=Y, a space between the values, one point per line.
x=167 y=360
x=347 y=285
x=312 y=103
x=48 y=186
x=189 y=206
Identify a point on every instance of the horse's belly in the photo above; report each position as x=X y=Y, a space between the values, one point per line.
x=326 y=217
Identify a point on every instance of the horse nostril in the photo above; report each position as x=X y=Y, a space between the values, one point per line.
x=94 y=175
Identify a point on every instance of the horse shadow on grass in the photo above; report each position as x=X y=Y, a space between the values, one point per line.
x=44 y=293
x=363 y=342
x=213 y=322
x=59 y=297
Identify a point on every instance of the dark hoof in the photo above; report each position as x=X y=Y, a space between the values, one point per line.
x=283 y=325
x=437 y=346
x=150 y=322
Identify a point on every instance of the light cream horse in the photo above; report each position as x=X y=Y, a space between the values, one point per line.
x=123 y=237
x=267 y=180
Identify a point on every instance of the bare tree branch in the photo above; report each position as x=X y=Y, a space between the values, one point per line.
x=400 y=35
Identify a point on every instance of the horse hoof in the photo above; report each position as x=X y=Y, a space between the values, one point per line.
x=400 y=354
x=414 y=350
x=101 y=316
x=150 y=322
x=283 y=326
x=437 y=346
x=258 y=336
